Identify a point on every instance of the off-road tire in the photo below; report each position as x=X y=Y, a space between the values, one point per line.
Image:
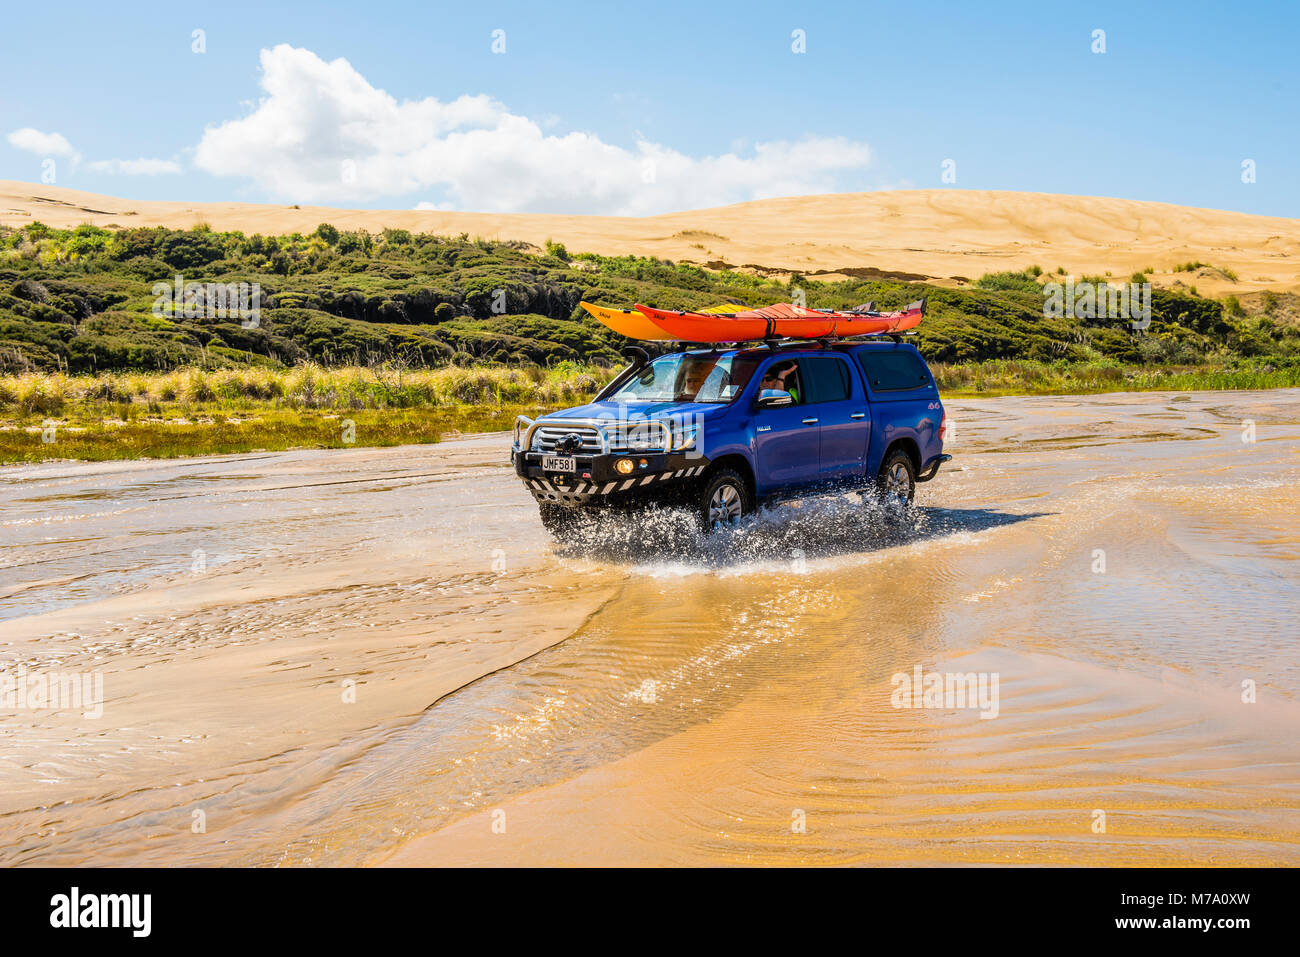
x=723 y=499
x=896 y=481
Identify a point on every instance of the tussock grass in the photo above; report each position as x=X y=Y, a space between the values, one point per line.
x=307 y=386
x=120 y=415
x=99 y=439
x=1027 y=377
x=117 y=415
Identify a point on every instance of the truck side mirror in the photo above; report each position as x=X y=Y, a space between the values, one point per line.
x=771 y=398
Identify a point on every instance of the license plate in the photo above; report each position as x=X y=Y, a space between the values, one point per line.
x=559 y=463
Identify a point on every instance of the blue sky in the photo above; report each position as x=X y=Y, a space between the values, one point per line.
x=641 y=108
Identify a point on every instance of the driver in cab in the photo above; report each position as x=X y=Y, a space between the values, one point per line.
x=694 y=375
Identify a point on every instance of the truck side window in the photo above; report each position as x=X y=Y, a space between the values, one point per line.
x=786 y=375
x=893 y=370
x=827 y=379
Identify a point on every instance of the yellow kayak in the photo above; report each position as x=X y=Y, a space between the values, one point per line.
x=630 y=323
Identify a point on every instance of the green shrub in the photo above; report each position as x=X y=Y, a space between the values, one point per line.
x=421 y=300
x=1022 y=281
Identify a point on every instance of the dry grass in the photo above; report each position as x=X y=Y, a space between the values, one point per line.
x=301 y=387
x=198 y=412
x=1024 y=377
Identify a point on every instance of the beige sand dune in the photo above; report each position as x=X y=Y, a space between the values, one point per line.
x=937 y=234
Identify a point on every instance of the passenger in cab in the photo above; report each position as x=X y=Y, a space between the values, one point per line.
x=784 y=377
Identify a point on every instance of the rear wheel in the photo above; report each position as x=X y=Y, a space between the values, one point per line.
x=896 y=483
x=723 y=500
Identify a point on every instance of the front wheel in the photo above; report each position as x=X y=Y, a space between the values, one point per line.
x=723 y=500
x=896 y=483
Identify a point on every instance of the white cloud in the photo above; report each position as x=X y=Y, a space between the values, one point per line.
x=322 y=133
x=42 y=144
x=55 y=144
x=135 y=167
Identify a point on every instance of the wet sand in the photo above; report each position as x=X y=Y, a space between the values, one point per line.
x=647 y=697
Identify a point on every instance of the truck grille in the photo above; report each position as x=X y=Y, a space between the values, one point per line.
x=546 y=437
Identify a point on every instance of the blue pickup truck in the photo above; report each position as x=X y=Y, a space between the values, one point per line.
x=722 y=431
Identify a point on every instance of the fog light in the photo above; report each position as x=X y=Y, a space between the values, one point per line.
x=623 y=466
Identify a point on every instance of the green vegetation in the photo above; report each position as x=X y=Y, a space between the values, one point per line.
x=433 y=333
x=1022 y=377
x=94 y=439
x=83 y=301
x=202 y=412
x=308 y=386
x=194 y=411
x=1025 y=281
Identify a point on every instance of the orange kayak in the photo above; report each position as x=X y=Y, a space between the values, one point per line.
x=630 y=323
x=780 y=321
x=626 y=322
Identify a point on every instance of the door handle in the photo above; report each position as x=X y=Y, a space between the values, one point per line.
x=858 y=415
x=809 y=421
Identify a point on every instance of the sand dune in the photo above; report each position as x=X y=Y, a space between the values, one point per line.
x=946 y=235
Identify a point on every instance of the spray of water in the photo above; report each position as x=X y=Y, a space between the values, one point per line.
x=788 y=533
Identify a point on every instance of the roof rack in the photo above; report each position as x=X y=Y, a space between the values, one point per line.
x=802 y=343
x=772 y=343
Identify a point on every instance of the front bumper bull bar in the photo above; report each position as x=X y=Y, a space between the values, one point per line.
x=595 y=480
x=547 y=490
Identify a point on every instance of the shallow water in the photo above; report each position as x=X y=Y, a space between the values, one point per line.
x=648 y=696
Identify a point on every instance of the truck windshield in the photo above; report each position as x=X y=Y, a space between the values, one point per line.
x=690 y=378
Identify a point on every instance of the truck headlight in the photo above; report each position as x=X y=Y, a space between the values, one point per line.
x=643 y=440
x=683 y=439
